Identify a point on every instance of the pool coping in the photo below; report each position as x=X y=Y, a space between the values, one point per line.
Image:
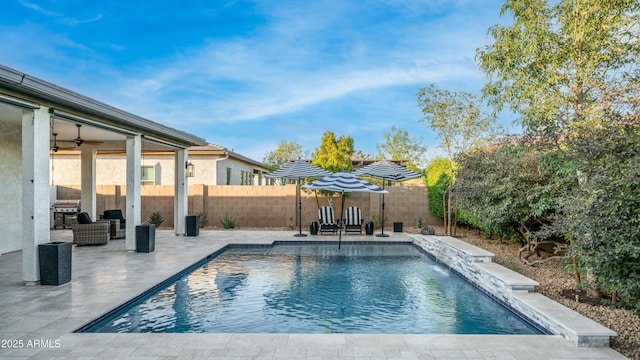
x=511 y=289
x=517 y=291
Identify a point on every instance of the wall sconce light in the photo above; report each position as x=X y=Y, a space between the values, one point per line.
x=190 y=169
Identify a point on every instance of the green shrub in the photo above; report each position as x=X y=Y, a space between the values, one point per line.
x=377 y=224
x=228 y=222
x=156 y=219
x=202 y=219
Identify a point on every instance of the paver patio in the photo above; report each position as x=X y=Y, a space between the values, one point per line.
x=103 y=277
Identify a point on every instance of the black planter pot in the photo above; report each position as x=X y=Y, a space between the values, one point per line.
x=397 y=227
x=55 y=263
x=193 y=225
x=313 y=228
x=368 y=228
x=145 y=238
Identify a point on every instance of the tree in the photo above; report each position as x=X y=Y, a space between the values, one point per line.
x=399 y=146
x=460 y=124
x=563 y=65
x=438 y=178
x=505 y=190
x=334 y=154
x=570 y=70
x=286 y=151
x=361 y=155
x=604 y=207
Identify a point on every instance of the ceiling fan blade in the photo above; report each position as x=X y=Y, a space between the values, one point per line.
x=87 y=142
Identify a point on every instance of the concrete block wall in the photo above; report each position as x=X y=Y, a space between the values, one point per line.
x=261 y=205
x=252 y=205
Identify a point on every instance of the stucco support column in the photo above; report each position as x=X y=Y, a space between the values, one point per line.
x=88 y=181
x=181 y=196
x=35 y=190
x=134 y=208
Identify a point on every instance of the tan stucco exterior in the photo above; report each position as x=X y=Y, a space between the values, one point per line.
x=210 y=168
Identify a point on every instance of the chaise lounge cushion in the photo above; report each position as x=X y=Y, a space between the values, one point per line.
x=327 y=220
x=353 y=222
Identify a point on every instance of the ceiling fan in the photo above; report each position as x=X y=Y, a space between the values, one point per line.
x=55 y=147
x=79 y=140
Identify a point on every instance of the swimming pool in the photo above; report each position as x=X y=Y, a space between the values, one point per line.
x=385 y=288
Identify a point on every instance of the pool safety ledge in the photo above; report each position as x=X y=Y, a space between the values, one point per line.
x=515 y=290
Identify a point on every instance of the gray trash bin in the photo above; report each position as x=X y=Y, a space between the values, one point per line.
x=55 y=263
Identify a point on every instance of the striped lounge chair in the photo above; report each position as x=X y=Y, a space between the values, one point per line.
x=353 y=220
x=327 y=220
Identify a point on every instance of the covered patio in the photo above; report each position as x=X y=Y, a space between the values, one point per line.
x=31 y=111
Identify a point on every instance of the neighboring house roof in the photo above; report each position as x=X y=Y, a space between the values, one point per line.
x=359 y=163
x=63 y=99
x=219 y=150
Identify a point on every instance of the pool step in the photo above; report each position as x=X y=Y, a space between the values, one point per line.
x=561 y=320
x=514 y=289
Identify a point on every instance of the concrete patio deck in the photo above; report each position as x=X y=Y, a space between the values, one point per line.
x=37 y=321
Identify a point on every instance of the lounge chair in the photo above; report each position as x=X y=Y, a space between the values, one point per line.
x=327 y=220
x=87 y=232
x=118 y=223
x=353 y=220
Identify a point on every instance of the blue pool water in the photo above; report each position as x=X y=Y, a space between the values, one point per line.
x=318 y=288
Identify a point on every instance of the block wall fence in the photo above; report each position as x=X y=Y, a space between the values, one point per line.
x=263 y=206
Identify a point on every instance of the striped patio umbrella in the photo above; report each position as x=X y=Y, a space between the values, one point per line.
x=343 y=182
x=298 y=169
x=386 y=170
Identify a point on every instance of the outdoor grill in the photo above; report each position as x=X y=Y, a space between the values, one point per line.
x=64 y=211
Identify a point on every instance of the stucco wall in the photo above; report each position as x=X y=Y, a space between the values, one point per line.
x=11 y=180
x=235 y=166
x=111 y=169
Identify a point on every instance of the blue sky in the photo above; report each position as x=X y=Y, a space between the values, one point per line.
x=245 y=75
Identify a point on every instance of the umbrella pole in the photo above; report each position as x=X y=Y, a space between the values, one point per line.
x=382 y=234
x=341 y=217
x=299 y=211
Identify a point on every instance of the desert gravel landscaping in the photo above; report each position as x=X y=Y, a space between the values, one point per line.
x=554 y=282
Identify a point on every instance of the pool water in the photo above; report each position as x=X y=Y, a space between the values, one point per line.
x=318 y=288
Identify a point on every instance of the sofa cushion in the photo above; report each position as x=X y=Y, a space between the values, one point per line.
x=84 y=218
x=113 y=214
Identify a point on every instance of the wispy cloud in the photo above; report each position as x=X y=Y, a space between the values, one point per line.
x=74 y=22
x=293 y=66
x=62 y=18
x=267 y=74
x=39 y=9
